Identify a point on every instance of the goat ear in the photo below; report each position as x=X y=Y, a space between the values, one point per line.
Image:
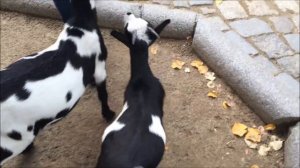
x=152 y=35
x=161 y=26
x=121 y=37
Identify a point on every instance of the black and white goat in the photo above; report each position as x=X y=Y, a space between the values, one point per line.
x=44 y=87
x=137 y=138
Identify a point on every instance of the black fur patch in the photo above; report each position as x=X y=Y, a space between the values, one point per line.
x=74 y=32
x=4 y=153
x=40 y=124
x=68 y=96
x=29 y=128
x=22 y=94
x=62 y=114
x=15 y=135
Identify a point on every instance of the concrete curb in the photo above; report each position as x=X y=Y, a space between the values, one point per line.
x=292 y=148
x=273 y=99
x=110 y=14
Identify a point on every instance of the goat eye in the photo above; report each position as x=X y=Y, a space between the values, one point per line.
x=129 y=13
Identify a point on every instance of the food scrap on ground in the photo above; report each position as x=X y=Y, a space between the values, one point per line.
x=154 y=49
x=210 y=76
x=253 y=135
x=211 y=84
x=226 y=105
x=251 y=144
x=239 y=129
x=177 y=64
x=203 y=69
x=187 y=70
x=212 y=94
x=264 y=150
x=269 y=127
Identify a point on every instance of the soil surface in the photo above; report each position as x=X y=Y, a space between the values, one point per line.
x=197 y=127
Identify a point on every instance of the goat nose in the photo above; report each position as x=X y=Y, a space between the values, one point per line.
x=129 y=13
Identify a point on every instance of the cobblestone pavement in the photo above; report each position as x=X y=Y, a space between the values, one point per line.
x=268 y=30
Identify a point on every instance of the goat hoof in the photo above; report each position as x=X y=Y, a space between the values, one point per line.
x=109 y=115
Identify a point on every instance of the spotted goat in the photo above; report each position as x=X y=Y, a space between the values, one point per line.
x=137 y=138
x=42 y=88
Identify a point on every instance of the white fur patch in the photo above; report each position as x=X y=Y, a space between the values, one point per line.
x=100 y=71
x=137 y=27
x=88 y=44
x=157 y=128
x=47 y=98
x=92 y=2
x=116 y=125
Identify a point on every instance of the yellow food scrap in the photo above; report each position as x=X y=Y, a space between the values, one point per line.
x=226 y=105
x=254 y=166
x=219 y=2
x=196 y=63
x=251 y=144
x=203 y=69
x=253 y=135
x=176 y=64
x=154 y=49
x=212 y=94
x=270 y=127
x=239 y=129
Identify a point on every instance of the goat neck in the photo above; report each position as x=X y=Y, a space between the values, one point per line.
x=139 y=61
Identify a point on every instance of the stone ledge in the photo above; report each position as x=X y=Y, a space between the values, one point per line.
x=268 y=96
x=292 y=148
x=110 y=14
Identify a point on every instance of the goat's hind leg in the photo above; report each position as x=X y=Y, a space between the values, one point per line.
x=103 y=97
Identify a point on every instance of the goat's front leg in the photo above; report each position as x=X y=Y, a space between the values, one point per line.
x=103 y=97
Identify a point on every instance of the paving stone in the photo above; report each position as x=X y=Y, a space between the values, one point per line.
x=206 y=10
x=290 y=64
x=181 y=4
x=293 y=40
x=272 y=45
x=241 y=43
x=266 y=64
x=287 y=5
x=282 y=24
x=251 y=27
x=232 y=10
x=200 y=2
x=268 y=97
x=296 y=19
x=260 y=8
x=291 y=148
x=217 y=22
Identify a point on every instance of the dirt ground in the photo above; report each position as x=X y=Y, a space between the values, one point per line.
x=197 y=127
